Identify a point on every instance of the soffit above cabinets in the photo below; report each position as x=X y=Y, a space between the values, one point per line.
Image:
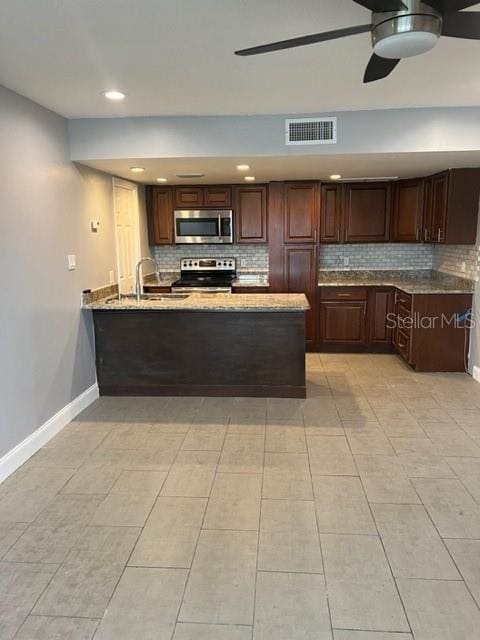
x=267 y=169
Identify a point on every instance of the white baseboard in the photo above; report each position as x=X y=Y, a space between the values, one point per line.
x=35 y=441
x=476 y=373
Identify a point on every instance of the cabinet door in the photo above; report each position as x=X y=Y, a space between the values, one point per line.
x=161 y=215
x=427 y=209
x=301 y=212
x=439 y=206
x=381 y=305
x=189 y=197
x=367 y=212
x=218 y=197
x=251 y=214
x=343 y=323
x=331 y=213
x=408 y=211
x=301 y=277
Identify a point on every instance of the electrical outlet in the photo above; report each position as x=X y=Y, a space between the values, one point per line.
x=346 y=262
x=243 y=262
x=464 y=267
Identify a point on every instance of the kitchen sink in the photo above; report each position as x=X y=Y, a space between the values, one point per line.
x=150 y=296
x=165 y=296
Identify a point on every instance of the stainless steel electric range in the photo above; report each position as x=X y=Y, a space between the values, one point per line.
x=206 y=275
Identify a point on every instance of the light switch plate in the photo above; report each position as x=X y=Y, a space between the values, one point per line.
x=72 y=262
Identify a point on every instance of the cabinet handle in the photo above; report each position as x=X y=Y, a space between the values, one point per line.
x=426 y=235
x=344 y=295
x=315 y=236
x=417 y=235
x=440 y=232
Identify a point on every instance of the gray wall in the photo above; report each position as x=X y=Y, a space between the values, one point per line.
x=475 y=339
x=46 y=203
x=359 y=132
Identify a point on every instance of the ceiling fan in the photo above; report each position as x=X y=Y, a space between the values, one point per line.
x=399 y=28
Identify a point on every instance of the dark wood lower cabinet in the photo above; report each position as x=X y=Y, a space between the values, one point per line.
x=343 y=323
x=424 y=329
x=300 y=276
x=380 y=316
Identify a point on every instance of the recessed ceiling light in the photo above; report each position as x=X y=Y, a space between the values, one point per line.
x=250 y=178
x=114 y=96
x=335 y=176
x=243 y=167
x=161 y=179
x=137 y=169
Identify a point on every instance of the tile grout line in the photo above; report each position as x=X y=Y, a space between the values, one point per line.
x=320 y=546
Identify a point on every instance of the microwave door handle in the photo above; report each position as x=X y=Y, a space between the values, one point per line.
x=220 y=225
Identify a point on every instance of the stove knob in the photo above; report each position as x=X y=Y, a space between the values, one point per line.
x=196 y=264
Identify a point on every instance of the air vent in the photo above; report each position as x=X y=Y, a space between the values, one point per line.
x=311 y=131
x=190 y=176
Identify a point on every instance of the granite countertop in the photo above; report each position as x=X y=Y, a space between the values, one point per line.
x=413 y=282
x=269 y=302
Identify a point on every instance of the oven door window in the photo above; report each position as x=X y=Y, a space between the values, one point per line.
x=198 y=227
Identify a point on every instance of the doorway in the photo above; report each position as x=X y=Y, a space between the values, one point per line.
x=127 y=232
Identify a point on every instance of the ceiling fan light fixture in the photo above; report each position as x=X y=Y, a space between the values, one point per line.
x=406 y=36
x=406 y=45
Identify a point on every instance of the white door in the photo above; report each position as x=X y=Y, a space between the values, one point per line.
x=125 y=198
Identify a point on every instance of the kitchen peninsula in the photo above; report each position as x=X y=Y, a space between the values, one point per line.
x=201 y=345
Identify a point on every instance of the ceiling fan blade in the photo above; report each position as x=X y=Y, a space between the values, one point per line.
x=450 y=6
x=303 y=40
x=465 y=24
x=382 y=6
x=379 y=68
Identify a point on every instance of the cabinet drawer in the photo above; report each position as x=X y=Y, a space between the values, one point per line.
x=403 y=299
x=403 y=344
x=343 y=293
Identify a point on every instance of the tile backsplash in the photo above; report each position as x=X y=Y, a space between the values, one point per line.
x=380 y=257
x=376 y=256
x=250 y=257
x=458 y=260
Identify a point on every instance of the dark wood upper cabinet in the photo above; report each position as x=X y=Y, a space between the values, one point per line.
x=331 y=213
x=439 y=207
x=251 y=214
x=301 y=212
x=189 y=197
x=160 y=202
x=451 y=206
x=367 y=212
x=427 y=209
x=408 y=211
x=300 y=276
x=218 y=196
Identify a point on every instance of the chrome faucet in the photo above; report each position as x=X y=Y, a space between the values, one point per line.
x=138 y=280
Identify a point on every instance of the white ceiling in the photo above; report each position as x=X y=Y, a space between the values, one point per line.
x=265 y=169
x=176 y=57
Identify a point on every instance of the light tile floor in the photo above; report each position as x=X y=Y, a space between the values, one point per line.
x=352 y=515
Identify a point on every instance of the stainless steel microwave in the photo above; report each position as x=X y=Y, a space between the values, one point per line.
x=204 y=226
